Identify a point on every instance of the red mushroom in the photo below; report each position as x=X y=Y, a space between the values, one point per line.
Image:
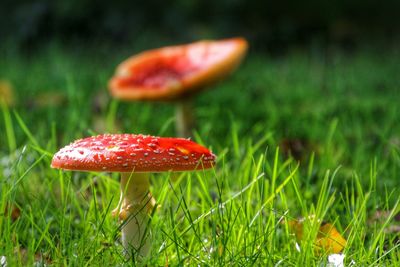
x=177 y=72
x=134 y=156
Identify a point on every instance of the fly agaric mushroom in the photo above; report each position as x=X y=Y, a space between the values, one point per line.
x=134 y=156
x=175 y=73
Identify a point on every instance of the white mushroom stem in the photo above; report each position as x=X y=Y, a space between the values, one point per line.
x=184 y=120
x=135 y=204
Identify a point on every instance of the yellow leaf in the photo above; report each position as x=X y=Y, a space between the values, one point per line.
x=6 y=92
x=328 y=239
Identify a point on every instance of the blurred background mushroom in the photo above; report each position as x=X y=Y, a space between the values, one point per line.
x=176 y=73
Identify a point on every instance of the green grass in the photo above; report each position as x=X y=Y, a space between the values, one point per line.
x=338 y=112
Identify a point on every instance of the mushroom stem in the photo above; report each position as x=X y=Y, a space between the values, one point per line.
x=133 y=209
x=184 y=117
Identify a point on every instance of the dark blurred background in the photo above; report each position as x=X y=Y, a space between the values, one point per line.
x=271 y=25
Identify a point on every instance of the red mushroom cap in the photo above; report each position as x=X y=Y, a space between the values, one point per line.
x=130 y=152
x=170 y=72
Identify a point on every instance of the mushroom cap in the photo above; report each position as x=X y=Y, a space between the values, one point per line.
x=133 y=153
x=171 y=72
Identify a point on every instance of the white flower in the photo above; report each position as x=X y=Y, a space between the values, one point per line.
x=3 y=261
x=336 y=260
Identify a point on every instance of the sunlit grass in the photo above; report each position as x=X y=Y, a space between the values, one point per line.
x=339 y=116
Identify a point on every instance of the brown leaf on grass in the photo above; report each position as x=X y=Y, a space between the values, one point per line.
x=328 y=239
x=13 y=211
x=7 y=93
x=298 y=148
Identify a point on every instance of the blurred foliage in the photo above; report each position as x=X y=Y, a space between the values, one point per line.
x=262 y=22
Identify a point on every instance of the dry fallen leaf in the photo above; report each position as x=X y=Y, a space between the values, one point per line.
x=328 y=239
x=13 y=211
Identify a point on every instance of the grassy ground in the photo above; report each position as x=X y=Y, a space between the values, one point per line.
x=312 y=133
